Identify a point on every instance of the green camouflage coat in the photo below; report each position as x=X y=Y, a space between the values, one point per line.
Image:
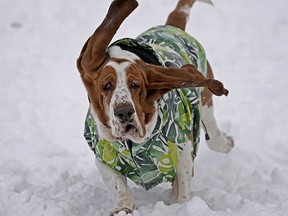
x=156 y=159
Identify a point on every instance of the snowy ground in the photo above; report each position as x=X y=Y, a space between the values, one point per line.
x=46 y=167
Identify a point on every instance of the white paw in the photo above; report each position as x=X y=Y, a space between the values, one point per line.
x=118 y=210
x=221 y=143
x=127 y=206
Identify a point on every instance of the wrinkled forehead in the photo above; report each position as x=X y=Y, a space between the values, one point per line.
x=120 y=66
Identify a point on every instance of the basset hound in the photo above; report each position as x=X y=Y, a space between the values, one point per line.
x=148 y=96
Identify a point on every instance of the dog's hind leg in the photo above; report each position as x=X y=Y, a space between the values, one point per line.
x=117 y=183
x=180 y=15
x=218 y=140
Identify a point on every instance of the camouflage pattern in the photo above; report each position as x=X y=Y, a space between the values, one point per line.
x=156 y=159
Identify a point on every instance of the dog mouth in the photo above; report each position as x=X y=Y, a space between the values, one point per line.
x=128 y=132
x=130 y=128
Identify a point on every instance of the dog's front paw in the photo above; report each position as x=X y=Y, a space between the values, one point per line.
x=126 y=206
x=221 y=143
x=118 y=210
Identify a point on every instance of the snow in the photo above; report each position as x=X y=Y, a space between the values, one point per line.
x=46 y=167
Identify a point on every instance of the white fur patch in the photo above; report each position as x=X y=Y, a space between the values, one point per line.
x=102 y=129
x=186 y=10
x=121 y=93
x=206 y=1
x=117 y=52
x=184 y=173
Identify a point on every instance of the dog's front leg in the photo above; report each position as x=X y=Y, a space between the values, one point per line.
x=181 y=183
x=117 y=183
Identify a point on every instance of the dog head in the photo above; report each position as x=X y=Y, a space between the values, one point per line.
x=122 y=88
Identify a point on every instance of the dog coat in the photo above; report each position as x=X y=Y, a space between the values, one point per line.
x=156 y=159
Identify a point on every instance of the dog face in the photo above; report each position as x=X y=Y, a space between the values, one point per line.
x=123 y=106
x=121 y=86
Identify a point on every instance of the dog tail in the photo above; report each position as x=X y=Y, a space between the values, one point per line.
x=180 y=15
x=206 y=1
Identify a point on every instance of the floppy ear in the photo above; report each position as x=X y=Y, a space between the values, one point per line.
x=162 y=80
x=93 y=53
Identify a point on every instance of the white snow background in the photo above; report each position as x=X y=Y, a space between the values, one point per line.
x=46 y=166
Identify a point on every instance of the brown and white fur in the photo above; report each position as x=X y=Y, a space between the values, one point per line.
x=124 y=90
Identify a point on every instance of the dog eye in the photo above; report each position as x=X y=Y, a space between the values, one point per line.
x=135 y=85
x=107 y=86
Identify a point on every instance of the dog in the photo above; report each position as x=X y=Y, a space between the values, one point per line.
x=146 y=96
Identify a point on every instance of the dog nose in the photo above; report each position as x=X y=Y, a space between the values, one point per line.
x=124 y=112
